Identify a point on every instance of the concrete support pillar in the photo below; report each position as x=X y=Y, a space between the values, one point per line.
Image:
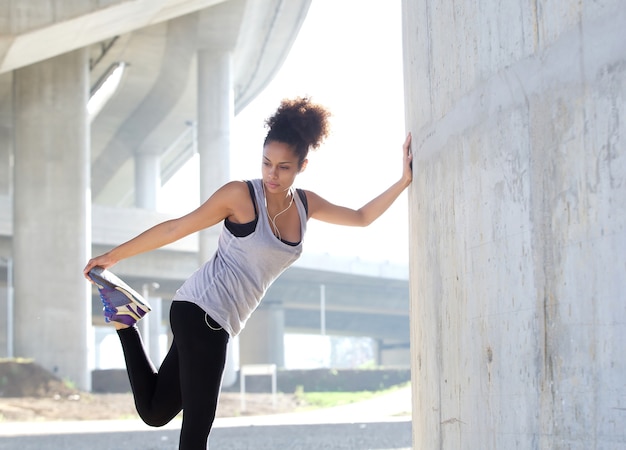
x=4 y=320
x=517 y=219
x=215 y=116
x=150 y=326
x=6 y=190
x=6 y=140
x=51 y=222
x=393 y=354
x=263 y=339
x=100 y=334
x=216 y=112
x=155 y=318
x=147 y=180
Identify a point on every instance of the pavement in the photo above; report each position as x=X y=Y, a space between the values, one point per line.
x=392 y=406
x=385 y=418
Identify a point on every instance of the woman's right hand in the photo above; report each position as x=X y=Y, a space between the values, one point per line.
x=105 y=261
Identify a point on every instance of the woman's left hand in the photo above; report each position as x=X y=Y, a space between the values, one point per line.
x=407 y=171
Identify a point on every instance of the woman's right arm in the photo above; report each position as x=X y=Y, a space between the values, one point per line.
x=211 y=212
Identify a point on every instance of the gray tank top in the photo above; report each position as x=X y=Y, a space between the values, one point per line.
x=231 y=284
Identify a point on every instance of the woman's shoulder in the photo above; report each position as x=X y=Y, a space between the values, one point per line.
x=240 y=190
x=313 y=201
x=242 y=183
x=236 y=186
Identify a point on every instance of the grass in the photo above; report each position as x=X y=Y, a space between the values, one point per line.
x=330 y=399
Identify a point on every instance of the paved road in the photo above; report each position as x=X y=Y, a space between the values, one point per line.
x=382 y=435
x=378 y=424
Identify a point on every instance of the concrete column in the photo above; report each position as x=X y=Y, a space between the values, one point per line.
x=517 y=219
x=147 y=180
x=150 y=326
x=6 y=190
x=216 y=111
x=215 y=117
x=100 y=334
x=263 y=339
x=155 y=318
x=6 y=140
x=393 y=354
x=4 y=321
x=7 y=322
x=51 y=222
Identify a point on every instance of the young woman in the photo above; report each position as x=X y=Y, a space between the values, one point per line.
x=264 y=226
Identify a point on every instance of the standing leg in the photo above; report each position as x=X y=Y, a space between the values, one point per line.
x=202 y=356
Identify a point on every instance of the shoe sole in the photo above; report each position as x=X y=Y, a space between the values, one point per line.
x=105 y=278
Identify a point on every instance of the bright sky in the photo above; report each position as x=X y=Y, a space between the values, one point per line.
x=347 y=56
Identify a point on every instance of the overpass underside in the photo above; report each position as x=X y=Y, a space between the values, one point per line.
x=186 y=65
x=78 y=177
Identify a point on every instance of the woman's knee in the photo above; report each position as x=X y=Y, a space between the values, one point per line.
x=155 y=419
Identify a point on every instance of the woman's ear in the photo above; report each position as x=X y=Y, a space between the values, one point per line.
x=303 y=165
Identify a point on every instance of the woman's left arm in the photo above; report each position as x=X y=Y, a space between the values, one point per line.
x=325 y=211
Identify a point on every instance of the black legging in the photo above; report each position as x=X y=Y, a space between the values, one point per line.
x=189 y=377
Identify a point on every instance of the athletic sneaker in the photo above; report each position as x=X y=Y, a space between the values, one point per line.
x=121 y=302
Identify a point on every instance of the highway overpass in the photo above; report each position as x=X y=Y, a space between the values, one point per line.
x=77 y=177
x=68 y=165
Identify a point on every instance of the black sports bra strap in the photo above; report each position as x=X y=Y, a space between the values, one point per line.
x=302 y=196
x=251 y=189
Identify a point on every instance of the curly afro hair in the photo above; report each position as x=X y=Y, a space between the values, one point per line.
x=299 y=123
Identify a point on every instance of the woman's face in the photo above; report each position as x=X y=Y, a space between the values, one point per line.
x=279 y=167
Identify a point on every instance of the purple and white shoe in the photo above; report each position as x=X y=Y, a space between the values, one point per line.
x=122 y=303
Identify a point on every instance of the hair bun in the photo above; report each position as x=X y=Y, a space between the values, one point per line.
x=299 y=122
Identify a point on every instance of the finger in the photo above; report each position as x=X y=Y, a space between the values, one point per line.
x=90 y=265
x=86 y=273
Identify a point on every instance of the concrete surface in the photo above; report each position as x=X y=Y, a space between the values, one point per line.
x=382 y=423
x=518 y=219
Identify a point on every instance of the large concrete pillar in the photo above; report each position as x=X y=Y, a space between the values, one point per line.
x=6 y=194
x=215 y=117
x=216 y=108
x=263 y=338
x=51 y=221
x=393 y=354
x=147 y=180
x=6 y=137
x=518 y=213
